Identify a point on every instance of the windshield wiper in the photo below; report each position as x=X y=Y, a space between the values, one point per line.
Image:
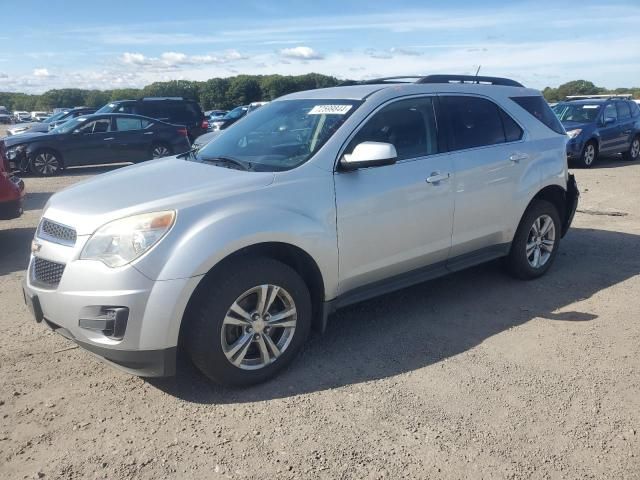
x=238 y=163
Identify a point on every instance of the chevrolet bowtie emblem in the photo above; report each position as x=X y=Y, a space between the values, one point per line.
x=35 y=247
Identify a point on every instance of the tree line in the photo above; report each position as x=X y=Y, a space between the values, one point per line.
x=226 y=93
x=215 y=93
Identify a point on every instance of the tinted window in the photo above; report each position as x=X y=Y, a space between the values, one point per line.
x=97 y=126
x=610 y=112
x=473 y=122
x=623 y=110
x=635 y=110
x=124 y=124
x=512 y=130
x=538 y=107
x=409 y=125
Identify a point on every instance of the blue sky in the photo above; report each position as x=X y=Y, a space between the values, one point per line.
x=114 y=43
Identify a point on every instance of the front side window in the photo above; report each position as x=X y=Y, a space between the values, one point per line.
x=623 y=110
x=610 y=112
x=410 y=125
x=473 y=122
x=279 y=136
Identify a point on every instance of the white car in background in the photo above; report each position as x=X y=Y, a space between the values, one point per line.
x=39 y=116
x=21 y=116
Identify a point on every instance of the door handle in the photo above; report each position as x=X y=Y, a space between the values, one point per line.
x=109 y=138
x=516 y=157
x=148 y=133
x=627 y=132
x=437 y=177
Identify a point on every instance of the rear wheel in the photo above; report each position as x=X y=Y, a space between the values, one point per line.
x=159 y=150
x=46 y=163
x=250 y=323
x=589 y=154
x=535 y=244
x=634 y=150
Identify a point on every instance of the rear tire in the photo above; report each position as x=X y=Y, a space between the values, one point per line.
x=159 y=150
x=633 y=153
x=589 y=154
x=227 y=332
x=535 y=244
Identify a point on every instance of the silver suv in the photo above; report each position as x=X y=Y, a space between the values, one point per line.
x=315 y=201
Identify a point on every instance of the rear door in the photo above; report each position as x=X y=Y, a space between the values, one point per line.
x=626 y=125
x=132 y=139
x=489 y=157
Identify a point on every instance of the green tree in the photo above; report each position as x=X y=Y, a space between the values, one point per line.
x=213 y=94
x=244 y=89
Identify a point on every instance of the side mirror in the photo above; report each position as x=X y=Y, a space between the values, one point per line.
x=369 y=154
x=609 y=121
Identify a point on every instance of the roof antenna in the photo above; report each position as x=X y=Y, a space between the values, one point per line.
x=478 y=71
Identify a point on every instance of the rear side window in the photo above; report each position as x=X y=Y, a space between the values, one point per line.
x=123 y=124
x=512 y=130
x=473 y=122
x=409 y=125
x=538 y=107
x=623 y=110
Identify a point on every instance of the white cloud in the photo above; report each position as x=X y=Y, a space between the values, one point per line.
x=175 y=60
x=41 y=73
x=302 y=53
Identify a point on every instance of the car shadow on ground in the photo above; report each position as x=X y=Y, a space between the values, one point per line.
x=608 y=161
x=422 y=325
x=15 y=249
x=36 y=200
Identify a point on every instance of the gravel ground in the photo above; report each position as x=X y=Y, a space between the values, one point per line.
x=474 y=375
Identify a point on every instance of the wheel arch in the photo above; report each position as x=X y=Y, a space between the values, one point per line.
x=557 y=196
x=293 y=256
x=45 y=148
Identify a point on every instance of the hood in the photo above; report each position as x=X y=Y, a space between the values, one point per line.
x=568 y=125
x=25 y=137
x=166 y=184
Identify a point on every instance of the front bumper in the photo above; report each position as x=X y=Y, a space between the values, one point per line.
x=574 y=148
x=86 y=288
x=11 y=203
x=571 y=203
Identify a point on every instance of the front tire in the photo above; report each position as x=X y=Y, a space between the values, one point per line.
x=46 y=163
x=535 y=244
x=633 y=153
x=589 y=154
x=249 y=322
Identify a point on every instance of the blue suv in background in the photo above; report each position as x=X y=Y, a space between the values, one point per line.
x=600 y=125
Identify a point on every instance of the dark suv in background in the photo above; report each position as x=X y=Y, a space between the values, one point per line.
x=174 y=110
x=600 y=124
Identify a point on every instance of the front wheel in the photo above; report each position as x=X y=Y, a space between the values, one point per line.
x=589 y=154
x=535 y=244
x=634 y=150
x=250 y=321
x=46 y=163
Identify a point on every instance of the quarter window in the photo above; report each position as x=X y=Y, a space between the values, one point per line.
x=473 y=122
x=409 y=125
x=537 y=107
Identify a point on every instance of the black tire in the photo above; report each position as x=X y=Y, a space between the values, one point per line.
x=46 y=163
x=633 y=153
x=518 y=262
x=204 y=328
x=589 y=154
x=157 y=148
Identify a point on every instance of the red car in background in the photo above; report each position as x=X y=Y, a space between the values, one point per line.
x=11 y=189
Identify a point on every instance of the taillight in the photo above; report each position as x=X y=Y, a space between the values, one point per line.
x=183 y=132
x=205 y=124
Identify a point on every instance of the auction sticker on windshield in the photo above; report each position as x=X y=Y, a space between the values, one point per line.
x=330 y=109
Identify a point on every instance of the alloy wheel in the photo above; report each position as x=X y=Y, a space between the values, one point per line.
x=635 y=148
x=160 y=151
x=589 y=154
x=46 y=163
x=541 y=241
x=258 y=327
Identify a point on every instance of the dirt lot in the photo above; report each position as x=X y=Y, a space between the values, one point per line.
x=470 y=376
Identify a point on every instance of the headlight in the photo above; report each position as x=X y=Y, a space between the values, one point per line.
x=122 y=241
x=13 y=152
x=574 y=133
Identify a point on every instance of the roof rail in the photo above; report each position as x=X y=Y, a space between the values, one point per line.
x=627 y=96
x=162 y=98
x=443 y=78
x=470 y=79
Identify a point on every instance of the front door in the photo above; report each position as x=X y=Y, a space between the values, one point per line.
x=610 y=131
x=396 y=218
x=90 y=143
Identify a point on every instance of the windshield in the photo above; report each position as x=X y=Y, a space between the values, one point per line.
x=280 y=135
x=576 y=112
x=235 y=113
x=55 y=117
x=69 y=125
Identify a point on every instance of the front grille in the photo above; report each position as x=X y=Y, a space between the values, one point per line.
x=47 y=272
x=58 y=233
